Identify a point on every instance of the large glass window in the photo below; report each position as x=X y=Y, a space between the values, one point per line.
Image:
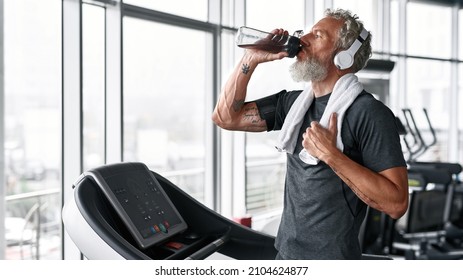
x=32 y=57
x=428 y=87
x=460 y=113
x=460 y=34
x=196 y=9
x=429 y=30
x=164 y=95
x=428 y=81
x=228 y=13
x=394 y=26
x=93 y=85
x=460 y=87
x=265 y=167
x=270 y=14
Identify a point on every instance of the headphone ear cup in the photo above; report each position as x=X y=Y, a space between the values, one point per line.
x=343 y=60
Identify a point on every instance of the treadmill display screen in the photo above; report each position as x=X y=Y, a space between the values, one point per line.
x=140 y=201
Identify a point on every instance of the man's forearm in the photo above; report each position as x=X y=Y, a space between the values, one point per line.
x=386 y=191
x=233 y=95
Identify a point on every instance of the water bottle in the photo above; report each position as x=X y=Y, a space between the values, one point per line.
x=251 y=38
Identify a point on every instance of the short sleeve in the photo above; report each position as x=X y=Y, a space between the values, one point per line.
x=273 y=108
x=376 y=134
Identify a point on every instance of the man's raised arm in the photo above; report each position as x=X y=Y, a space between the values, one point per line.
x=231 y=111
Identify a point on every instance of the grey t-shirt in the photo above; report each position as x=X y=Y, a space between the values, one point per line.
x=321 y=215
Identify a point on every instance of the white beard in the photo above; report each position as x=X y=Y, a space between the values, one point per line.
x=308 y=70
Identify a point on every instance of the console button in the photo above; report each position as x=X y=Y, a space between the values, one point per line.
x=163 y=228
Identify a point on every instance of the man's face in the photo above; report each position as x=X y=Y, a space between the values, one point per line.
x=315 y=60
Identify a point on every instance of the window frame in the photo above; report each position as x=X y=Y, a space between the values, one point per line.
x=211 y=157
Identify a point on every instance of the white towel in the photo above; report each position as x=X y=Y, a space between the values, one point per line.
x=345 y=91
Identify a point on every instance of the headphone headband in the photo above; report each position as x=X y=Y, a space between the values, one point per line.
x=358 y=42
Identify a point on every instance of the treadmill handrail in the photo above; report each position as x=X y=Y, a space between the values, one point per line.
x=210 y=248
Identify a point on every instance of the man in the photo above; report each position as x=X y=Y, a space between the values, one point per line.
x=343 y=149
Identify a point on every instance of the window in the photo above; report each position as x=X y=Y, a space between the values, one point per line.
x=394 y=26
x=428 y=87
x=270 y=14
x=196 y=9
x=93 y=85
x=229 y=16
x=164 y=97
x=429 y=30
x=460 y=87
x=428 y=81
x=460 y=34
x=32 y=57
x=460 y=113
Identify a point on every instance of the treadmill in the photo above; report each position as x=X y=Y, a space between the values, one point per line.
x=126 y=211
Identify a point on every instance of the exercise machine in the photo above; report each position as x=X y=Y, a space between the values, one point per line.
x=435 y=206
x=125 y=211
x=430 y=228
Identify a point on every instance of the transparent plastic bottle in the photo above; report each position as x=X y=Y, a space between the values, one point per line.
x=251 y=38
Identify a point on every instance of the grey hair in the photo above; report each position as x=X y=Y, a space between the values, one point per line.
x=348 y=33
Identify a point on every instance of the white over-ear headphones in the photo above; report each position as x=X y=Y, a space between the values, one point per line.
x=345 y=59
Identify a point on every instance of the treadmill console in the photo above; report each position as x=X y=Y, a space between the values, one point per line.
x=140 y=201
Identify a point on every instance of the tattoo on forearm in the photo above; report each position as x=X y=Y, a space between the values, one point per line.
x=252 y=115
x=237 y=104
x=245 y=68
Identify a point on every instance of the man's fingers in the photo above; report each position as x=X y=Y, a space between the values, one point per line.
x=333 y=126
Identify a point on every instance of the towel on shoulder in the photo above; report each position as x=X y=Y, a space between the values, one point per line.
x=345 y=91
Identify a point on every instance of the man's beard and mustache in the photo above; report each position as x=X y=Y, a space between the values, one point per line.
x=308 y=70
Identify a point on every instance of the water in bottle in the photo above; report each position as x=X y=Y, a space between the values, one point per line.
x=251 y=38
